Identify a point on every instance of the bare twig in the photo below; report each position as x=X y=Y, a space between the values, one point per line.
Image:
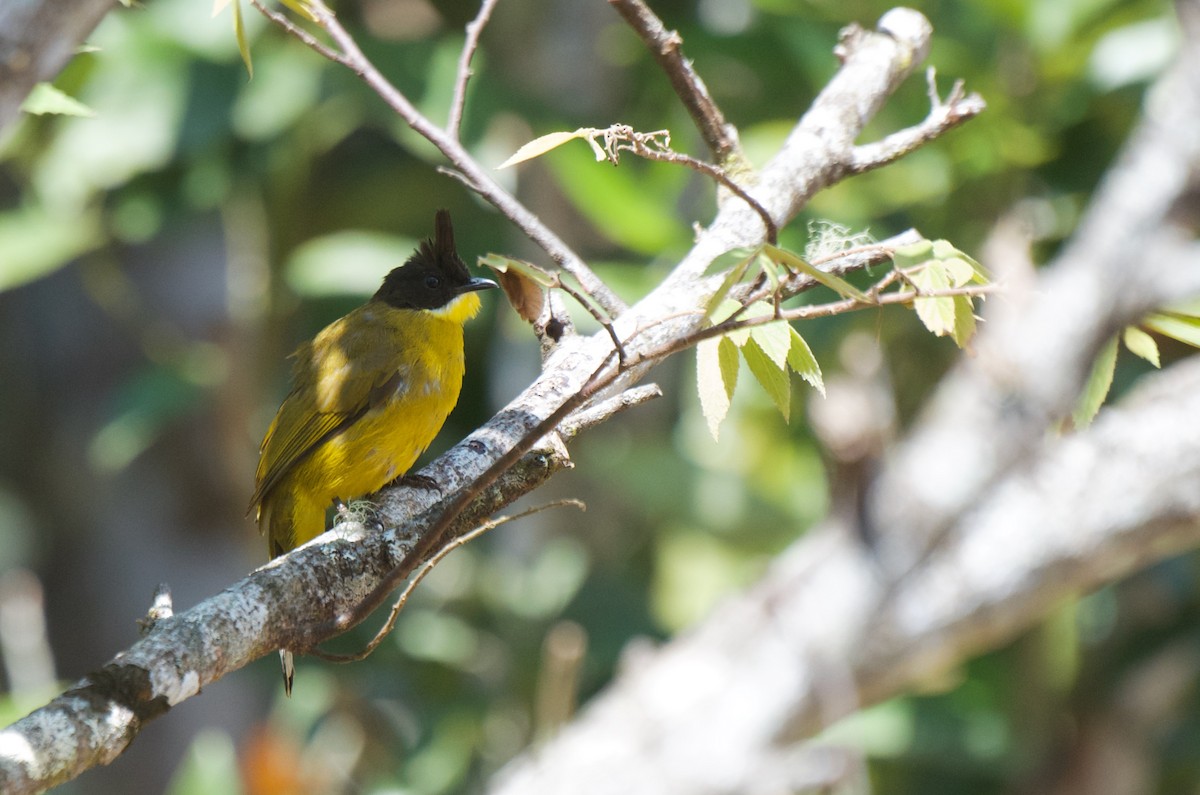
x=656 y=145
x=467 y=169
x=944 y=115
x=474 y=30
x=717 y=173
x=590 y=417
x=665 y=45
x=309 y=40
x=402 y=600
x=597 y=314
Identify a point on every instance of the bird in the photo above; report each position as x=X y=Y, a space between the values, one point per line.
x=368 y=395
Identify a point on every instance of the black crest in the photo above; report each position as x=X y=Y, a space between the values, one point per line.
x=433 y=276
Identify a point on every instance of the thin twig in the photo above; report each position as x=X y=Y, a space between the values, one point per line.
x=808 y=313
x=656 y=145
x=717 y=173
x=594 y=415
x=597 y=314
x=466 y=168
x=944 y=115
x=666 y=47
x=303 y=35
x=459 y=541
x=474 y=30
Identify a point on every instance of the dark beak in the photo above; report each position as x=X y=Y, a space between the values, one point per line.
x=477 y=284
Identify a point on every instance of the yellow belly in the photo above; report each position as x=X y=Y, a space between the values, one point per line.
x=379 y=446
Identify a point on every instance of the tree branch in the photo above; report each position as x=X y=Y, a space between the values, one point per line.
x=986 y=518
x=301 y=598
x=823 y=634
x=348 y=54
x=474 y=31
x=943 y=116
x=667 y=48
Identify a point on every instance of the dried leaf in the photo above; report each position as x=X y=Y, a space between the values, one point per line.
x=523 y=283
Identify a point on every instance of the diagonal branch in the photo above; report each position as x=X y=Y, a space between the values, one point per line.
x=290 y=602
x=666 y=47
x=348 y=54
x=944 y=115
x=459 y=101
x=821 y=635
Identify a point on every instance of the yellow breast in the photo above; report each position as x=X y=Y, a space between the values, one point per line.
x=372 y=390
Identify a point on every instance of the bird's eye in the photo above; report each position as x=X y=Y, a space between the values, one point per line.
x=433 y=282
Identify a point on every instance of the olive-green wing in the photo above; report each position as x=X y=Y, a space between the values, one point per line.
x=338 y=377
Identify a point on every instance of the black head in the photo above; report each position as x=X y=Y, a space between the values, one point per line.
x=433 y=276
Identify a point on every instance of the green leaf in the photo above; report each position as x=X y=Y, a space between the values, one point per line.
x=795 y=262
x=239 y=33
x=737 y=269
x=1097 y=386
x=772 y=378
x=1141 y=344
x=770 y=270
x=725 y=310
x=46 y=99
x=964 y=321
x=1184 y=328
x=913 y=255
x=540 y=146
x=755 y=310
x=800 y=358
x=959 y=270
x=734 y=257
x=945 y=251
x=775 y=339
x=936 y=313
x=716 y=379
x=302 y=8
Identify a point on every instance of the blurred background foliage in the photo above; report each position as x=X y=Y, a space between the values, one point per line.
x=161 y=255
